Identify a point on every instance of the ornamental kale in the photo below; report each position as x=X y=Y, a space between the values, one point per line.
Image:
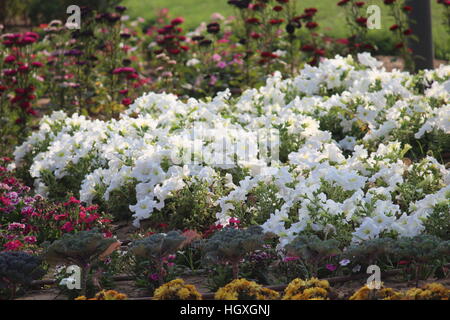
x=231 y=245
x=18 y=269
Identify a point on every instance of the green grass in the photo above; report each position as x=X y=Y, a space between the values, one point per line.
x=330 y=16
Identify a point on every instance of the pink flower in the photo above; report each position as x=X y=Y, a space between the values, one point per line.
x=67 y=227
x=154 y=276
x=216 y=57
x=126 y=101
x=13 y=245
x=331 y=267
x=289 y=259
x=30 y=239
x=234 y=221
x=16 y=225
x=222 y=65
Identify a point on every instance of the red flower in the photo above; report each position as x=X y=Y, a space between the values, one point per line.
x=177 y=21
x=320 y=52
x=270 y=55
x=407 y=8
x=407 y=32
x=278 y=8
x=312 y=25
x=360 y=4
x=307 y=48
x=36 y=64
x=389 y=1
x=342 y=2
x=255 y=35
x=13 y=245
x=276 y=21
x=67 y=227
x=394 y=27
x=344 y=41
x=254 y=21
x=30 y=239
x=362 y=21
x=9 y=59
x=127 y=101
x=174 y=51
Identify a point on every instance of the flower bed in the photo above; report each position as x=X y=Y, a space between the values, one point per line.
x=357 y=153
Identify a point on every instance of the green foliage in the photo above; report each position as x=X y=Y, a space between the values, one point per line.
x=18 y=269
x=193 y=207
x=312 y=251
x=82 y=248
x=263 y=200
x=231 y=245
x=438 y=221
x=157 y=246
x=370 y=251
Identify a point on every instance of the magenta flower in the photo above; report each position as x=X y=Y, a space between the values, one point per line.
x=30 y=239
x=331 y=267
x=290 y=258
x=154 y=277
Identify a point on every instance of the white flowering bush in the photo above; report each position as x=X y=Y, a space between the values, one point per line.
x=345 y=149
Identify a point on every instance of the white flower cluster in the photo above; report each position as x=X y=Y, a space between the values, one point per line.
x=342 y=130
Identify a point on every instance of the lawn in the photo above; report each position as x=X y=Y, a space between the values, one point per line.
x=329 y=16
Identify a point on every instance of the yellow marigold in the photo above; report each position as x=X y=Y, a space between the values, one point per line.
x=313 y=289
x=106 y=295
x=242 y=289
x=431 y=291
x=366 y=293
x=177 y=290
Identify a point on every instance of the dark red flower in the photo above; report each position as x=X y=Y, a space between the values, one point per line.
x=394 y=27
x=255 y=35
x=407 y=8
x=407 y=32
x=307 y=48
x=275 y=22
x=126 y=101
x=177 y=21
x=269 y=55
x=37 y=64
x=320 y=52
x=342 y=2
x=254 y=21
x=312 y=25
x=362 y=21
x=278 y=8
x=9 y=59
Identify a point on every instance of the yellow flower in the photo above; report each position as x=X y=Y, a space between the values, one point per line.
x=242 y=289
x=313 y=289
x=106 y=295
x=177 y=290
x=366 y=293
x=431 y=291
